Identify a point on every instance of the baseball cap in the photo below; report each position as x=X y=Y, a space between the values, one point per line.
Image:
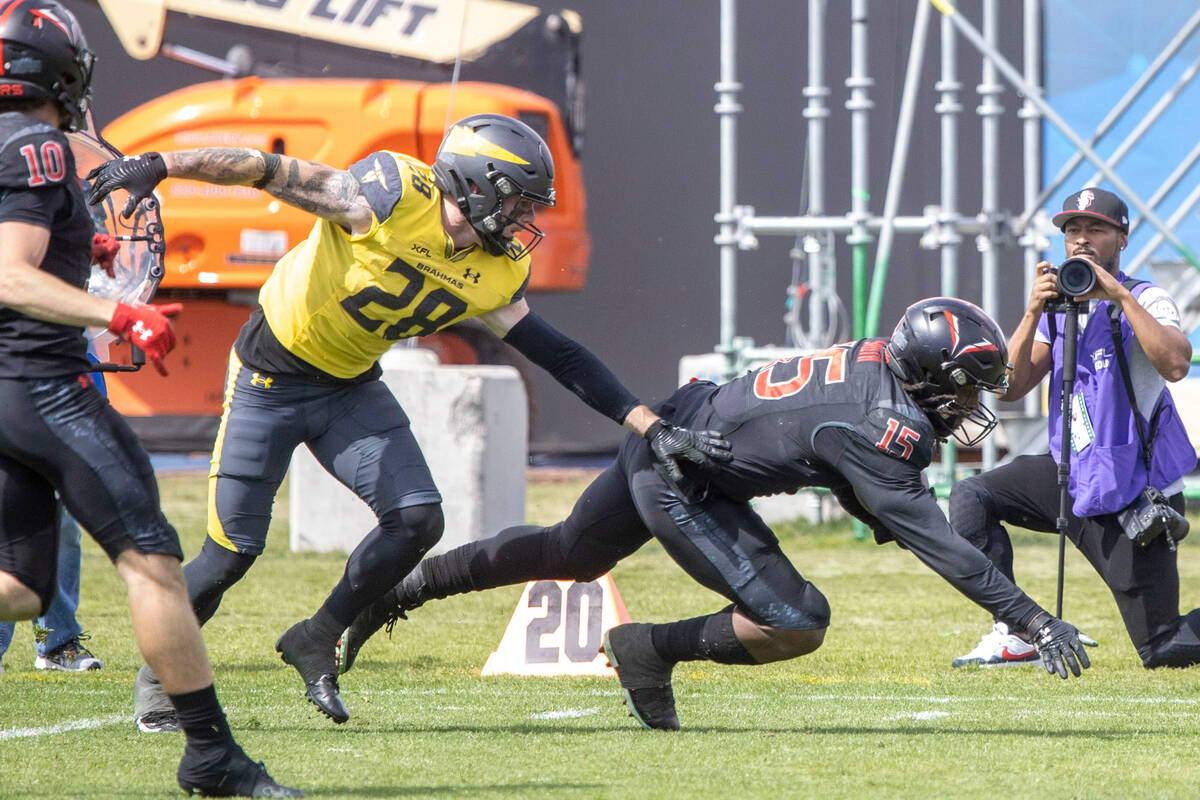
x=1096 y=203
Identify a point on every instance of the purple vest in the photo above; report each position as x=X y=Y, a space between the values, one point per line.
x=1110 y=471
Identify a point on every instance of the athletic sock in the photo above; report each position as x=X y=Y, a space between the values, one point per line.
x=707 y=638
x=324 y=628
x=203 y=721
x=449 y=573
x=679 y=641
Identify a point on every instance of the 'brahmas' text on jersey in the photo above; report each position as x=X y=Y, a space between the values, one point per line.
x=772 y=417
x=339 y=301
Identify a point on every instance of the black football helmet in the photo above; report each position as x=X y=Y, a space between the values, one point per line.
x=943 y=345
x=486 y=158
x=45 y=56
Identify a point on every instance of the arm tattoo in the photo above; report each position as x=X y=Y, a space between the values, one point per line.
x=221 y=165
x=320 y=190
x=316 y=188
x=270 y=167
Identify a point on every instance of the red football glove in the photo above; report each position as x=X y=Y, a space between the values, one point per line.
x=147 y=327
x=104 y=250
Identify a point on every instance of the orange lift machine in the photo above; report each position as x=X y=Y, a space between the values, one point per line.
x=222 y=241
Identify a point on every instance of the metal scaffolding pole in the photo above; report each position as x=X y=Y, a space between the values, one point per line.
x=1168 y=184
x=727 y=109
x=1111 y=118
x=1149 y=119
x=859 y=105
x=819 y=249
x=749 y=225
x=942 y=226
x=989 y=110
x=1014 y=77
x=1032 y=160
x=1156 y=241
x=908 y=104
x=949 y=108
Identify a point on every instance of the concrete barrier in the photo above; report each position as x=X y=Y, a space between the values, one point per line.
x=471 y=423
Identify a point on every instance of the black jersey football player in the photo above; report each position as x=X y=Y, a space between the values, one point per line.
x=57 y=432
x=861 y=419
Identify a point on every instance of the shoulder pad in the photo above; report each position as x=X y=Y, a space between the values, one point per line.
x=379 y=178
x=33 y=154
x=520 y=293
x=902 y=432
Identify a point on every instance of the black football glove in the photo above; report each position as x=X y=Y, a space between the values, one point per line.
x=669 y=443
x=1058 y=644
x=138 y=175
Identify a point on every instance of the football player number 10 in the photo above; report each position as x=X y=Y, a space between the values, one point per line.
x=571 y=615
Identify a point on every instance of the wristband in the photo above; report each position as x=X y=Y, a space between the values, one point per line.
x=654 y=429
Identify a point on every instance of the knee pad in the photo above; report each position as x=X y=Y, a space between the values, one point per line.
x=417 y=527
x=809 y=612
x=970 y=509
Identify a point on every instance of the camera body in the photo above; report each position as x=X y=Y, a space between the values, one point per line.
x=1149 y=516
x=1073 y=277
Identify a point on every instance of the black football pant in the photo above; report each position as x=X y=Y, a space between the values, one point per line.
x=1144 y=581
x=61 y=435
x=722 y=544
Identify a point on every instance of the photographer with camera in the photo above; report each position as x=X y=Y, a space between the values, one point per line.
x=1129 y=450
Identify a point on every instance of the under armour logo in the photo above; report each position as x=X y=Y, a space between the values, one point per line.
x=472 y=276
x=260 y=380
x=140 y=331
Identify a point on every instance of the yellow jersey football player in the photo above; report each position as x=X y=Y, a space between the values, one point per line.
x=400 y=249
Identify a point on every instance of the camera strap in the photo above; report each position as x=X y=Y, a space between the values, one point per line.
x=1114 y=325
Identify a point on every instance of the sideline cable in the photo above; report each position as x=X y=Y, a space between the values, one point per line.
x=462 y=32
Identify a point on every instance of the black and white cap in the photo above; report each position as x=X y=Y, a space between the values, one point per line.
x=1095 y=203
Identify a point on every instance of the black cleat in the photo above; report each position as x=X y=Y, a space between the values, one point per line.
x=410 y=593
x=383 y=612
x=316 y=667
x=645 y=677
x=234 y=775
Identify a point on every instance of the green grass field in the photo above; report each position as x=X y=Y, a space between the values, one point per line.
x=876 y=712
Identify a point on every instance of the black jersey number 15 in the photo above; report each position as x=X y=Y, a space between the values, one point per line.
x=898 y=439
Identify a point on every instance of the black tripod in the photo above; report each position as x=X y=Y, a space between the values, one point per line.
x=1070 y=310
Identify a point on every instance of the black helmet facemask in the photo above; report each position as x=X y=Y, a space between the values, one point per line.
x=486 y=159
x=944 y=350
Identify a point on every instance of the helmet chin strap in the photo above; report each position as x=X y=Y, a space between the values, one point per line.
x=948 y=416
x=496 y=244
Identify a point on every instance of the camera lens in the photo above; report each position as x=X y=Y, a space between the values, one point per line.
x=1075 y=277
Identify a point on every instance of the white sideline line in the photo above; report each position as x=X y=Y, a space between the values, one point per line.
x=997 y=698
x=63 y=727
x=919 y=715
x=491 y=691
x=566 y=713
